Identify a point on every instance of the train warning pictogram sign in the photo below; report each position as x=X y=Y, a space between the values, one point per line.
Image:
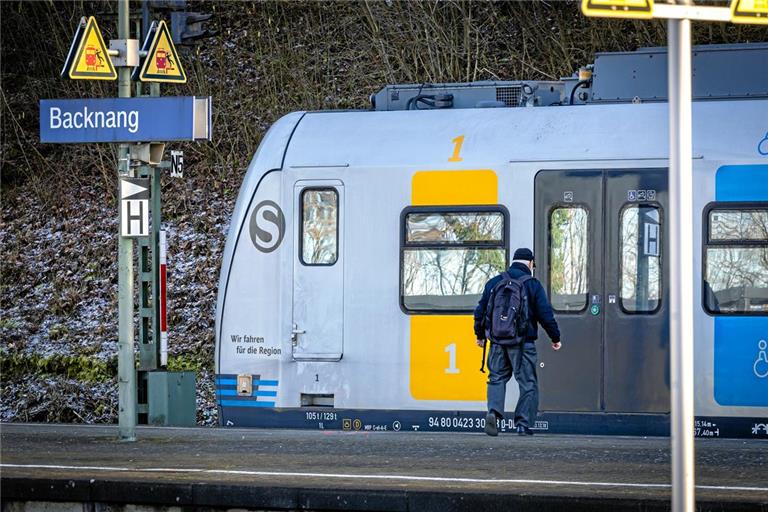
x=749 y=11
x=90 y=61
x=638 y=9
x=162 y=62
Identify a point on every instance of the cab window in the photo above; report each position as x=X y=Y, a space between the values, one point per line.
x=319 y=226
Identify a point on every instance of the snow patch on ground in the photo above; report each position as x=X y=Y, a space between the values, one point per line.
x=59 y=296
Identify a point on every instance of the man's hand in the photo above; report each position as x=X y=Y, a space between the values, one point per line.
x=481 y=343
x=556 y=346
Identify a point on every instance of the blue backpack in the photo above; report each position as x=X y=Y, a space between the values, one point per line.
x=506 y=316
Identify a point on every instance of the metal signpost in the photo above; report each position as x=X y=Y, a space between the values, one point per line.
x=126 y=366
x=127 y=120
x=679 y=16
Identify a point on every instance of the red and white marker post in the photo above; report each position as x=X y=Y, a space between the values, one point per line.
x=163 y=299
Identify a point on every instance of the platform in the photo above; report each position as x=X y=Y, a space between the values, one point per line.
x=387 y=471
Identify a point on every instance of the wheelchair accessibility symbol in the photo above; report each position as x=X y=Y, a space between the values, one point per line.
x=762 y=146
x=761 y=363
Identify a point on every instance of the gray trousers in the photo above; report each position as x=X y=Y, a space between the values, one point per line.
x=520 y=360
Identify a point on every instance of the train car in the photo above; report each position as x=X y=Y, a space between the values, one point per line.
x=361 y=240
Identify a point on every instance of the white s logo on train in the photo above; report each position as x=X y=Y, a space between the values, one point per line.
x=267 y=226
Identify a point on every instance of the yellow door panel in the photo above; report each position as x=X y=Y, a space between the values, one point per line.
x=445 y=360
x=454 y=188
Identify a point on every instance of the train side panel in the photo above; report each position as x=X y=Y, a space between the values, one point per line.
x=379 y=164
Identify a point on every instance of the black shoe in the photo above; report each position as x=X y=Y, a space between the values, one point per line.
x=490 y=424
x=524 y=431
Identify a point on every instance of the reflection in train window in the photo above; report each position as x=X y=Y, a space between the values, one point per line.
x=640 y=288
x=319 y=228
x=448 y=256
x=459 y=227
x=568 y=253
x=738 y=224
x=736 y=260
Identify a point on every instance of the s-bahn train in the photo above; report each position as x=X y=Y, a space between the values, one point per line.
x=361 y=240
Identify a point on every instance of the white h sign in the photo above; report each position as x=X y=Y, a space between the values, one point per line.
x=651 y=246
x=134 y=207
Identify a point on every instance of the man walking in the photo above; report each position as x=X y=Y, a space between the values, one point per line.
x=515 y=356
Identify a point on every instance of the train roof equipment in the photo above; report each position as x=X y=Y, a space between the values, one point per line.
x=725 y=71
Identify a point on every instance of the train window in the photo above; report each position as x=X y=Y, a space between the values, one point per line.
x=738 y=224
x=464 y=227
x=640 y=287
x=568 y=253
x=736 y=259
x=319 y=228
x=448 y=256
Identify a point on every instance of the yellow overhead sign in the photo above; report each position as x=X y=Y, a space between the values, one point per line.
x=91 y=60
x=749 y=11
x=162 y=62
x=639 y=9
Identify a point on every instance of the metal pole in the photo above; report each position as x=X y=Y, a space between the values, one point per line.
x=144 y=19
x=126 y=367
x=681 y=258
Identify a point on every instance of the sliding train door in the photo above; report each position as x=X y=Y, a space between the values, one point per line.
x=318 y=271
x=569 y=262
x=636 y=312
x=600 y=254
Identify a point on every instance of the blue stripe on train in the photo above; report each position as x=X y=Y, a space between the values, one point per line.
x=245 y=403
x=739 y=378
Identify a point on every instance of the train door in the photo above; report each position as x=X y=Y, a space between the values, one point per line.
x=636 y=310
x=569 y=259
x=318 y=271
x=600 y=252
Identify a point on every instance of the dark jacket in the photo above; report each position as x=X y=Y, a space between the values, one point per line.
x=539 y=308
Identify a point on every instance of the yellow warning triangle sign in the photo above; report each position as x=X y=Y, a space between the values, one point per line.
x=637 y=9
x=92 y=61
x=162 y=63
x=749 y=11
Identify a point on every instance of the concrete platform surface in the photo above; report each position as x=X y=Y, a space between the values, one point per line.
x=323 y=470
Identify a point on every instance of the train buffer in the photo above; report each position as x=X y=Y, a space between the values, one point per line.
x=63 y=466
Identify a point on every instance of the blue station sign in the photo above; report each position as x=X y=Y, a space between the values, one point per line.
x=126 y=119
